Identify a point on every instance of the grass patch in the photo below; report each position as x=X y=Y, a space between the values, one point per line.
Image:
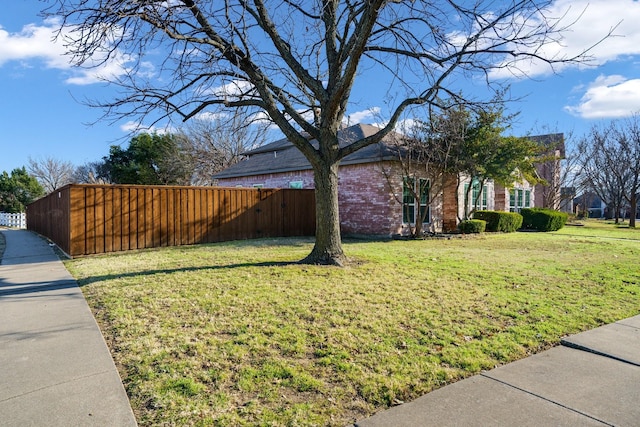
x=601 y=228
x=238 y=334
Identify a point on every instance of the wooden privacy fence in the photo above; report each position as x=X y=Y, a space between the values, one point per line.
x=94 y=219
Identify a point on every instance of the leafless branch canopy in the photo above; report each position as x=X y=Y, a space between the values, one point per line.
x=215 y=143
x=51 y=173
x=610 y=164
x=297 y=60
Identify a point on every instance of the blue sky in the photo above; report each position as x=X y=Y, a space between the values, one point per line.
x=41 y=114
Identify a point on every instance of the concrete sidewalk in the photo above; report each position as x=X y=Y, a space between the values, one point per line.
x=592 y=379
x=55 y=368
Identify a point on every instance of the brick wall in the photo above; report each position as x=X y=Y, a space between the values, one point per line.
x=548 y=195
x=273 y=180
x=449 y=204
x=502 y=198
x=368 y=203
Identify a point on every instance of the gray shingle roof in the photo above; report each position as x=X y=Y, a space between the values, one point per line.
x=283 y=156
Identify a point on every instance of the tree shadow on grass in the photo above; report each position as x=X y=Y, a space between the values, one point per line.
x=94 y=279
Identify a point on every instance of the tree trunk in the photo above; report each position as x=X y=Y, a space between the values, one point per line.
x=328 y=246
x=634 y=208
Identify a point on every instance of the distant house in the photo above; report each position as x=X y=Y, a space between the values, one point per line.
x=549 y=195
x=591 y=205
x=567 y=197
x=372 y=195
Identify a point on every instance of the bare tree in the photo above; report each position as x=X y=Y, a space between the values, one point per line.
x=297 y=62
x=559 y=164
x=92 y=173
x=611 y=164
x=217 y=142
x=51 y=173
x=628 y=135
x=603 y=168
x=426 y=154
x=568 y=183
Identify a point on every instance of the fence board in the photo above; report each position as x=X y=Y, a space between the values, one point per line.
x=117 y=218
x=93 y=219
x=108 y=220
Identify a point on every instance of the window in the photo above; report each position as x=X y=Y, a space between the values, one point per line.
x=295 y=184
x=518 y=199
x=258 y=185
x=409 y=209
x=475 y=191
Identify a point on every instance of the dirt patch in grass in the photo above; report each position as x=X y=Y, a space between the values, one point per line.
x=238 y=334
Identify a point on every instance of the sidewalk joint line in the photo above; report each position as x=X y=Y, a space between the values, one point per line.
x=620 y=322
x=580 y=347
x=17 y=396
x=484 y=374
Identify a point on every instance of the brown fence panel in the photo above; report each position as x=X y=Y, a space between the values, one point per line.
x=93 y=219
x=49 y=216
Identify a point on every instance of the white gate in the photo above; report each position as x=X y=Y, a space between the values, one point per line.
x=16 y=220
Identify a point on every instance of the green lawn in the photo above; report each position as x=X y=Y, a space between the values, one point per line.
x=238 y=334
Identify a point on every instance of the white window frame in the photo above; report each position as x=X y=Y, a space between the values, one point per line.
x=519 y=198
x=409 y=217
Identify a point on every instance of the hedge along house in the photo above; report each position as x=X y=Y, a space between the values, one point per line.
x=372 y=193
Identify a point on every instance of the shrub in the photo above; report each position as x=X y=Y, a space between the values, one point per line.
x=543 y=219
x=506 y=222
x=472 y=226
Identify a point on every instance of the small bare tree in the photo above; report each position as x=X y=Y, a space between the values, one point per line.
x=628 y=135
x=426 y=154
x=570 y=181
x=610 y=160
x=92 y=173
x=298 y=61
x=216 y=142
x=603 y=168
x=51 y=173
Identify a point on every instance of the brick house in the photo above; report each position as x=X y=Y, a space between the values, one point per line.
x=550 y=195
x=372 y=198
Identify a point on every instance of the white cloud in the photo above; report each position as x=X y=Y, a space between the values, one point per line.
x=588 y=21
x=609 y=97
x=103 y=71
x=235 y=89
x=209 y=116
x=134 y=127
x=33 y=42
x=372 y=113
x=405 y=126
x=39 y=43
x=131 y=126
